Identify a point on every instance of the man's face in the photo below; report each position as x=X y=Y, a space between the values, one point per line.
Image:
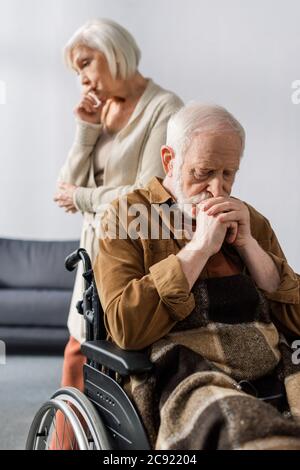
x=209 y=168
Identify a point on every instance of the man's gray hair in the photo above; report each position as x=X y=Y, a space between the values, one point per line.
x=110 y=38
x=194 y=119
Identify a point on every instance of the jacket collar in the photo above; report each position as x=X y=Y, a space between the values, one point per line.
x=157 y=192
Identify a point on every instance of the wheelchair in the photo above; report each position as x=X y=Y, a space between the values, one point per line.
x=103 y=417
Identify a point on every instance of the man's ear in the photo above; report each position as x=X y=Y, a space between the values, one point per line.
x=168 y=156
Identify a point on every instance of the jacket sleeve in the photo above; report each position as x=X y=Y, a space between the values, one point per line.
x=76 y=168
x=139 y=308
x=285 y=301
x=93 y=199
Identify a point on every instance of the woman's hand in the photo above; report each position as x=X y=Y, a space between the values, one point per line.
x=88 y=111
x=64 y=198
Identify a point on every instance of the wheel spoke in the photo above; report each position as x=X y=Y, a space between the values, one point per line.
x=67 y=421
x=63 y=437
x=69 y=434
x=56 y=433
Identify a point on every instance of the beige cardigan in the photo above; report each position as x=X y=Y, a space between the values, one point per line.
x=134 y=160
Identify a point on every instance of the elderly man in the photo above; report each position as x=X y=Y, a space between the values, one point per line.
x=215 y=302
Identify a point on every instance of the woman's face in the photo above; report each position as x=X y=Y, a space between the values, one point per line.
x=92 y=68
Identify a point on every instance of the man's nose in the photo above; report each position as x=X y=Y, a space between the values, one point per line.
x=216 y=186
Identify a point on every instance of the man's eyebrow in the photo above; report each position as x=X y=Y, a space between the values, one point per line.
x=211 y=168
x=201 y=168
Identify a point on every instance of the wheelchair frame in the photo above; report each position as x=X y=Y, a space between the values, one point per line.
x=115 y=422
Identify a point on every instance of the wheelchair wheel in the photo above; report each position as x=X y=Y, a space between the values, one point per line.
x=43 y=435
x=80 y=427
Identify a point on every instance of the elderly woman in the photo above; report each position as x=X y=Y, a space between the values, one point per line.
x=121 y=125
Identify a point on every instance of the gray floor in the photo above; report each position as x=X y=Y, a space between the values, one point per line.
x=25 y=383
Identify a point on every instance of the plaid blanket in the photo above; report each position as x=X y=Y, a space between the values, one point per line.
x=196 y=397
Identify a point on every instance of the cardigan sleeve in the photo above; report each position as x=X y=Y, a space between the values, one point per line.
x=95 y=199
x=76 y=168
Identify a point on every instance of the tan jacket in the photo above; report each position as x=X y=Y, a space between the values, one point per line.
x=144 y=291
x=134 y=159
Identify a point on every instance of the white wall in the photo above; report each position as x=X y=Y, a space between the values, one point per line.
x=243 y=54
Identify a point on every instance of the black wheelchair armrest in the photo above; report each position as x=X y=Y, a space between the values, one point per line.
x=114 y=358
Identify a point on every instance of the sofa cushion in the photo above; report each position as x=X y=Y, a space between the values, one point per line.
x=30 y=307
x=20 y=340
x=35 y=264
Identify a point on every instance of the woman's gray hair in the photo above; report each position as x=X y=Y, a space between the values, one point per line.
x=194 y=119
x=110 y=38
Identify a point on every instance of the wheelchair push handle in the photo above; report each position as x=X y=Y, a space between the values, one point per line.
x=73 y=259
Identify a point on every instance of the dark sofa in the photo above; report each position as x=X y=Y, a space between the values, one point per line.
x=35 y=294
